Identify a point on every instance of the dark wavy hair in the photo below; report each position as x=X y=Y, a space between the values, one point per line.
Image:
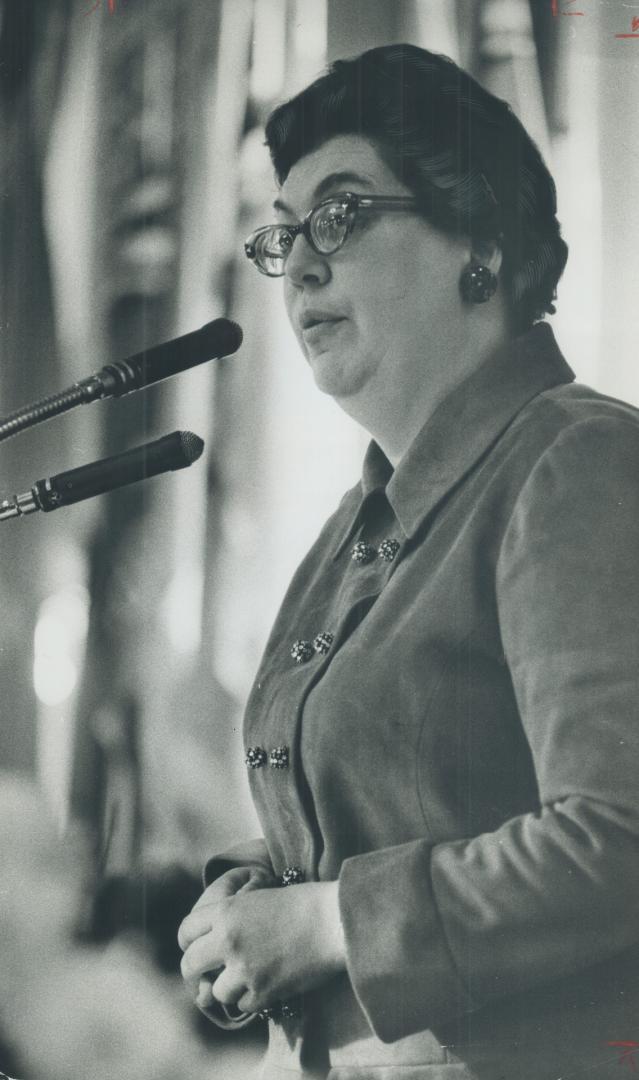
x=462 y=152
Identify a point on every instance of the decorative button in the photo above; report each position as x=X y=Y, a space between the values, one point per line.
x=278 y=758
x=323 y=642
x=363 y=553
x=255 y=757
x=302 y=651
x=388 y=550
x=267 y=1014
x=283 y=1010
x=293 y=875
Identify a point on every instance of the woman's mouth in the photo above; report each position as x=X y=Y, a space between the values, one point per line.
x=314 y=328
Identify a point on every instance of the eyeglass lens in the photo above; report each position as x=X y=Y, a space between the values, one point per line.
x=329 y=226
x=272 y=249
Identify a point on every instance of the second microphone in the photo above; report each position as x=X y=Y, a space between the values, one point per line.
x=175 y=451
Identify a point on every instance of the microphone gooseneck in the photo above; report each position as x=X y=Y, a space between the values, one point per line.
x=30 y=415
x=216 y=339
x=175 y=451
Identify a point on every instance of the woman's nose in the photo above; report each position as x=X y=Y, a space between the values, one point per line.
x=304 y=266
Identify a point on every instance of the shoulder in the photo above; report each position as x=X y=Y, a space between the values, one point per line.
x=581 y=474
x=578 y=411
x=574 y=432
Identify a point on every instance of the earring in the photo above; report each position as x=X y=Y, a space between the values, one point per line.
x=477 y=283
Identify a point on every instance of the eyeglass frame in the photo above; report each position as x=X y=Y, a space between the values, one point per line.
x=353 y=202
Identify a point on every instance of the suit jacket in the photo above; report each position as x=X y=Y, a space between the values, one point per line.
x=446 y=720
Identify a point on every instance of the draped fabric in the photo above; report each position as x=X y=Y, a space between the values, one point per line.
x=32 y=53
x=148 y=688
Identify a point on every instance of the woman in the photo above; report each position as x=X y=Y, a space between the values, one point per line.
x=442 y=737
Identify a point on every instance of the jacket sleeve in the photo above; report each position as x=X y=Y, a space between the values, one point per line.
x=249 y=853
x=438 y=929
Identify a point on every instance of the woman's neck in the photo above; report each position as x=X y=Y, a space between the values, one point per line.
x=394 y=414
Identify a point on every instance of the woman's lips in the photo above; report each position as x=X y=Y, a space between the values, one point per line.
x=320 y=328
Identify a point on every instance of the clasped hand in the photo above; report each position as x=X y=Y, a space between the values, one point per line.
x=249 y=943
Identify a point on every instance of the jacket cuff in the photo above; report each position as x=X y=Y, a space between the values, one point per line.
x=398 y=960
x=250 y=853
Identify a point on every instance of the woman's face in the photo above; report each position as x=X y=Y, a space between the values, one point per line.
x=385 y=300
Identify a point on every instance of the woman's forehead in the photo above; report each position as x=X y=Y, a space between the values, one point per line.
x=344 y=162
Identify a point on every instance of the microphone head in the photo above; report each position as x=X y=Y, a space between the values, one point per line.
x=220 y=337
x=191 y=445
x=212 y=341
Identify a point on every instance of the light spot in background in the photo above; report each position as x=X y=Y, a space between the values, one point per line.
x=182 y=609
x=268 y=61
x=310 y=30
x=59 y=639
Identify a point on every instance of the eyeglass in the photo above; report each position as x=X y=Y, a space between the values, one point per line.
x=326 y=227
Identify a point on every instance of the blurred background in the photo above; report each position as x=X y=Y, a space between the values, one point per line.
x=132 y=168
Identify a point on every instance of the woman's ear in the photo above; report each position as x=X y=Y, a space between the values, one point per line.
x=487 y=253
x=479 y=281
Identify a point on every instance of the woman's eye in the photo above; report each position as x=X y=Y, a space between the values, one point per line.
x=334 y=219
x=281 y=242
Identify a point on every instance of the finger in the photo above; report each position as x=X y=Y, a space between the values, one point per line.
x=226 y=885
x=259 y=880
x=228 y=987
x=204 y=998
x=194 y=925
x=202 y=955
x=248 y=1003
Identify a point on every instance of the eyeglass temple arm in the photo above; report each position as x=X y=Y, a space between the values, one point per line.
x=387 y=202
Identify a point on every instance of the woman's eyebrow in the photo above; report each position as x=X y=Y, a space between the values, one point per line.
x=329 y=183
x=337 y=180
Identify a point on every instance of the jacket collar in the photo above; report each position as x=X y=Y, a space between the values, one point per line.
x=461 y=429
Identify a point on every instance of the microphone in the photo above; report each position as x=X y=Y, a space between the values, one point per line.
x=214 y=340
x=175 y=451
x=218 y=338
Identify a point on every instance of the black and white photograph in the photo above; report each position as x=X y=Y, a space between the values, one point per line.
x=319 y=539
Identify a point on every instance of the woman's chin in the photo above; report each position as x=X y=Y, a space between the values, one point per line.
x=333 y=375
